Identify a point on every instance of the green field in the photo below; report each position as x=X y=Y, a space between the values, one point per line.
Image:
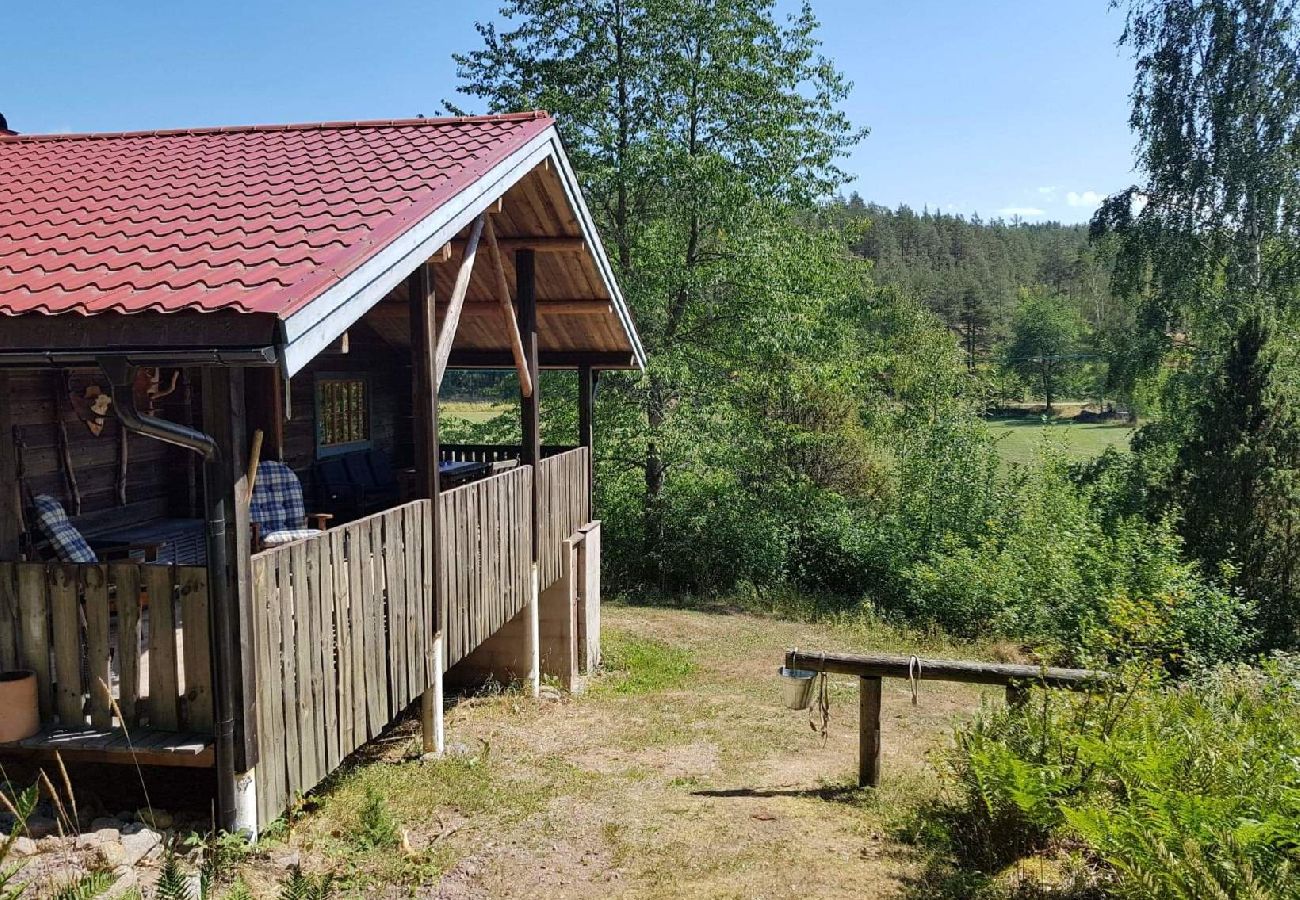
x=1018 y=438
x=475 y=411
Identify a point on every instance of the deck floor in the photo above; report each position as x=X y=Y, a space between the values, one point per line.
x=114 y=745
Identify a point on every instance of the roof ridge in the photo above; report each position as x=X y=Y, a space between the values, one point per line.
x=528 y=116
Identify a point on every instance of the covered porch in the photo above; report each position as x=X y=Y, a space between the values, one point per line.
x=270 y=652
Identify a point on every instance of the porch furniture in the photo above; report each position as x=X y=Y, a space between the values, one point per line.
x=277 y=511
x=180 y=542
x=66 y=542
x=357 y=484
x=456 y=473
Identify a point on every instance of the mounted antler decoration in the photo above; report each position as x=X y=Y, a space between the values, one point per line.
x=148 y=389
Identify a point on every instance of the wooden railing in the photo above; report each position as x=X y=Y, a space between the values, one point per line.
x=490 y=452
x=138 y=632
x=486 y=544
x=344 y=627
x=563 y=497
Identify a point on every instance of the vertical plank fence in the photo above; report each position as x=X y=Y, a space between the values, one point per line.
x=487 y=553
x=343 y=627
x=563 y=495
x=86 y=627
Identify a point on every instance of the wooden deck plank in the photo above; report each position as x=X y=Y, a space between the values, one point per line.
x=196 y=647
x=308 y=682
x=146 y=747
x=63 y=587
x=126 y=581
x=100 y=681
x=164 y=696
x=10 y=629
x=289 y=673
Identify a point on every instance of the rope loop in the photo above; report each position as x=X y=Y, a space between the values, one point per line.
x=914 y=678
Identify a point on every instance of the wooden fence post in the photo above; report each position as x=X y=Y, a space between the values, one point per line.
x=869 y=731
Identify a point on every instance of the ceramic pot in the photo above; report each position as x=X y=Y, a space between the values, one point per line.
x=19 y=715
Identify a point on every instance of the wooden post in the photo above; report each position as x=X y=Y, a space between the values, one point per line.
x=424 y=404
x=869 y=732
x=225 y=419
x=531 y=450
x=586 y=433
x=10 y=501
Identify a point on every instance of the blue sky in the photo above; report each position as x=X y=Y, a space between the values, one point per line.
x=1001 y=107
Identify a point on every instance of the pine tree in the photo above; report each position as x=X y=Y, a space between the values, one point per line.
x=1236 y=478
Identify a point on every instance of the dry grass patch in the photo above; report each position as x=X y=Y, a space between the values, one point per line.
x=677 y=775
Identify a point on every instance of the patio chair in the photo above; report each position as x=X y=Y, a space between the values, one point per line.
x=277 y=511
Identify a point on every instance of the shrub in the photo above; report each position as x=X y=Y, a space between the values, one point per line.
x=1181 y=791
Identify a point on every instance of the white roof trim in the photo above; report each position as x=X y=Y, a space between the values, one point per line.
x=318 y=324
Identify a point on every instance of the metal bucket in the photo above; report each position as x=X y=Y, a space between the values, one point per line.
x=797 y=687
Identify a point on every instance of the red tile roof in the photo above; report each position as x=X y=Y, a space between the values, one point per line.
x=256 y=219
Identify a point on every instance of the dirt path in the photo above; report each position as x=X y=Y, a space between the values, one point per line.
x=681 y=777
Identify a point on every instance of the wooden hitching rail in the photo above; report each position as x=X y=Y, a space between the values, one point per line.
x=80 y=627
x=486 y=535
x=871 y=668
x=562 y=494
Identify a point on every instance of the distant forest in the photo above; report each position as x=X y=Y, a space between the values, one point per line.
x=984 y=277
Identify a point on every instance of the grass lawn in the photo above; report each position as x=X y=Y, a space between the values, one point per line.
x=475 y=411
x=677 y=774
x=1018 y=437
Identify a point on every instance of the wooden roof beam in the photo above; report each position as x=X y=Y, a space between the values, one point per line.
x=508 y=313
x=447 y=334
x=536 y=243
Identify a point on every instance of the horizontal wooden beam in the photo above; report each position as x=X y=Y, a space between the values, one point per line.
x=548 y=359
x=538 y=244
x=875 y=665
x=395 y=311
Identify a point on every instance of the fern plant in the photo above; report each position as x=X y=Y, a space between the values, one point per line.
x=298 y=885
x=172 y=883
x=85 y=887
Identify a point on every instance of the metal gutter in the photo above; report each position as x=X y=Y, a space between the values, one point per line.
x=232 y=356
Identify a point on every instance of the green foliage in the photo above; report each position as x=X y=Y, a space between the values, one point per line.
x=1044 y=346
x=1183 y=791
x=21 y=804
x=297 y=885
x=84 y=887
x=1235 y=477
x=172 y=881
x=375 y=829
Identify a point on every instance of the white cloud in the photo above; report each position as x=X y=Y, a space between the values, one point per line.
x=1089 y=199
x=1025 y=212
x=1048 y=192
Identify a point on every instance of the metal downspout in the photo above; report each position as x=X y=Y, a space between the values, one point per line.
x=220 y=614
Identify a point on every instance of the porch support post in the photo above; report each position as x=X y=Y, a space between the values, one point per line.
x=586 y=434
x=233 y=657
x=531 y=450
x=424 y=405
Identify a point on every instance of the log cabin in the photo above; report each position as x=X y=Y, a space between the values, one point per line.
x=229 y=536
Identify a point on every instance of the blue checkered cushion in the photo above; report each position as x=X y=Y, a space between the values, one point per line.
x=277 y=505
x=67 y=541
x=275 y=538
